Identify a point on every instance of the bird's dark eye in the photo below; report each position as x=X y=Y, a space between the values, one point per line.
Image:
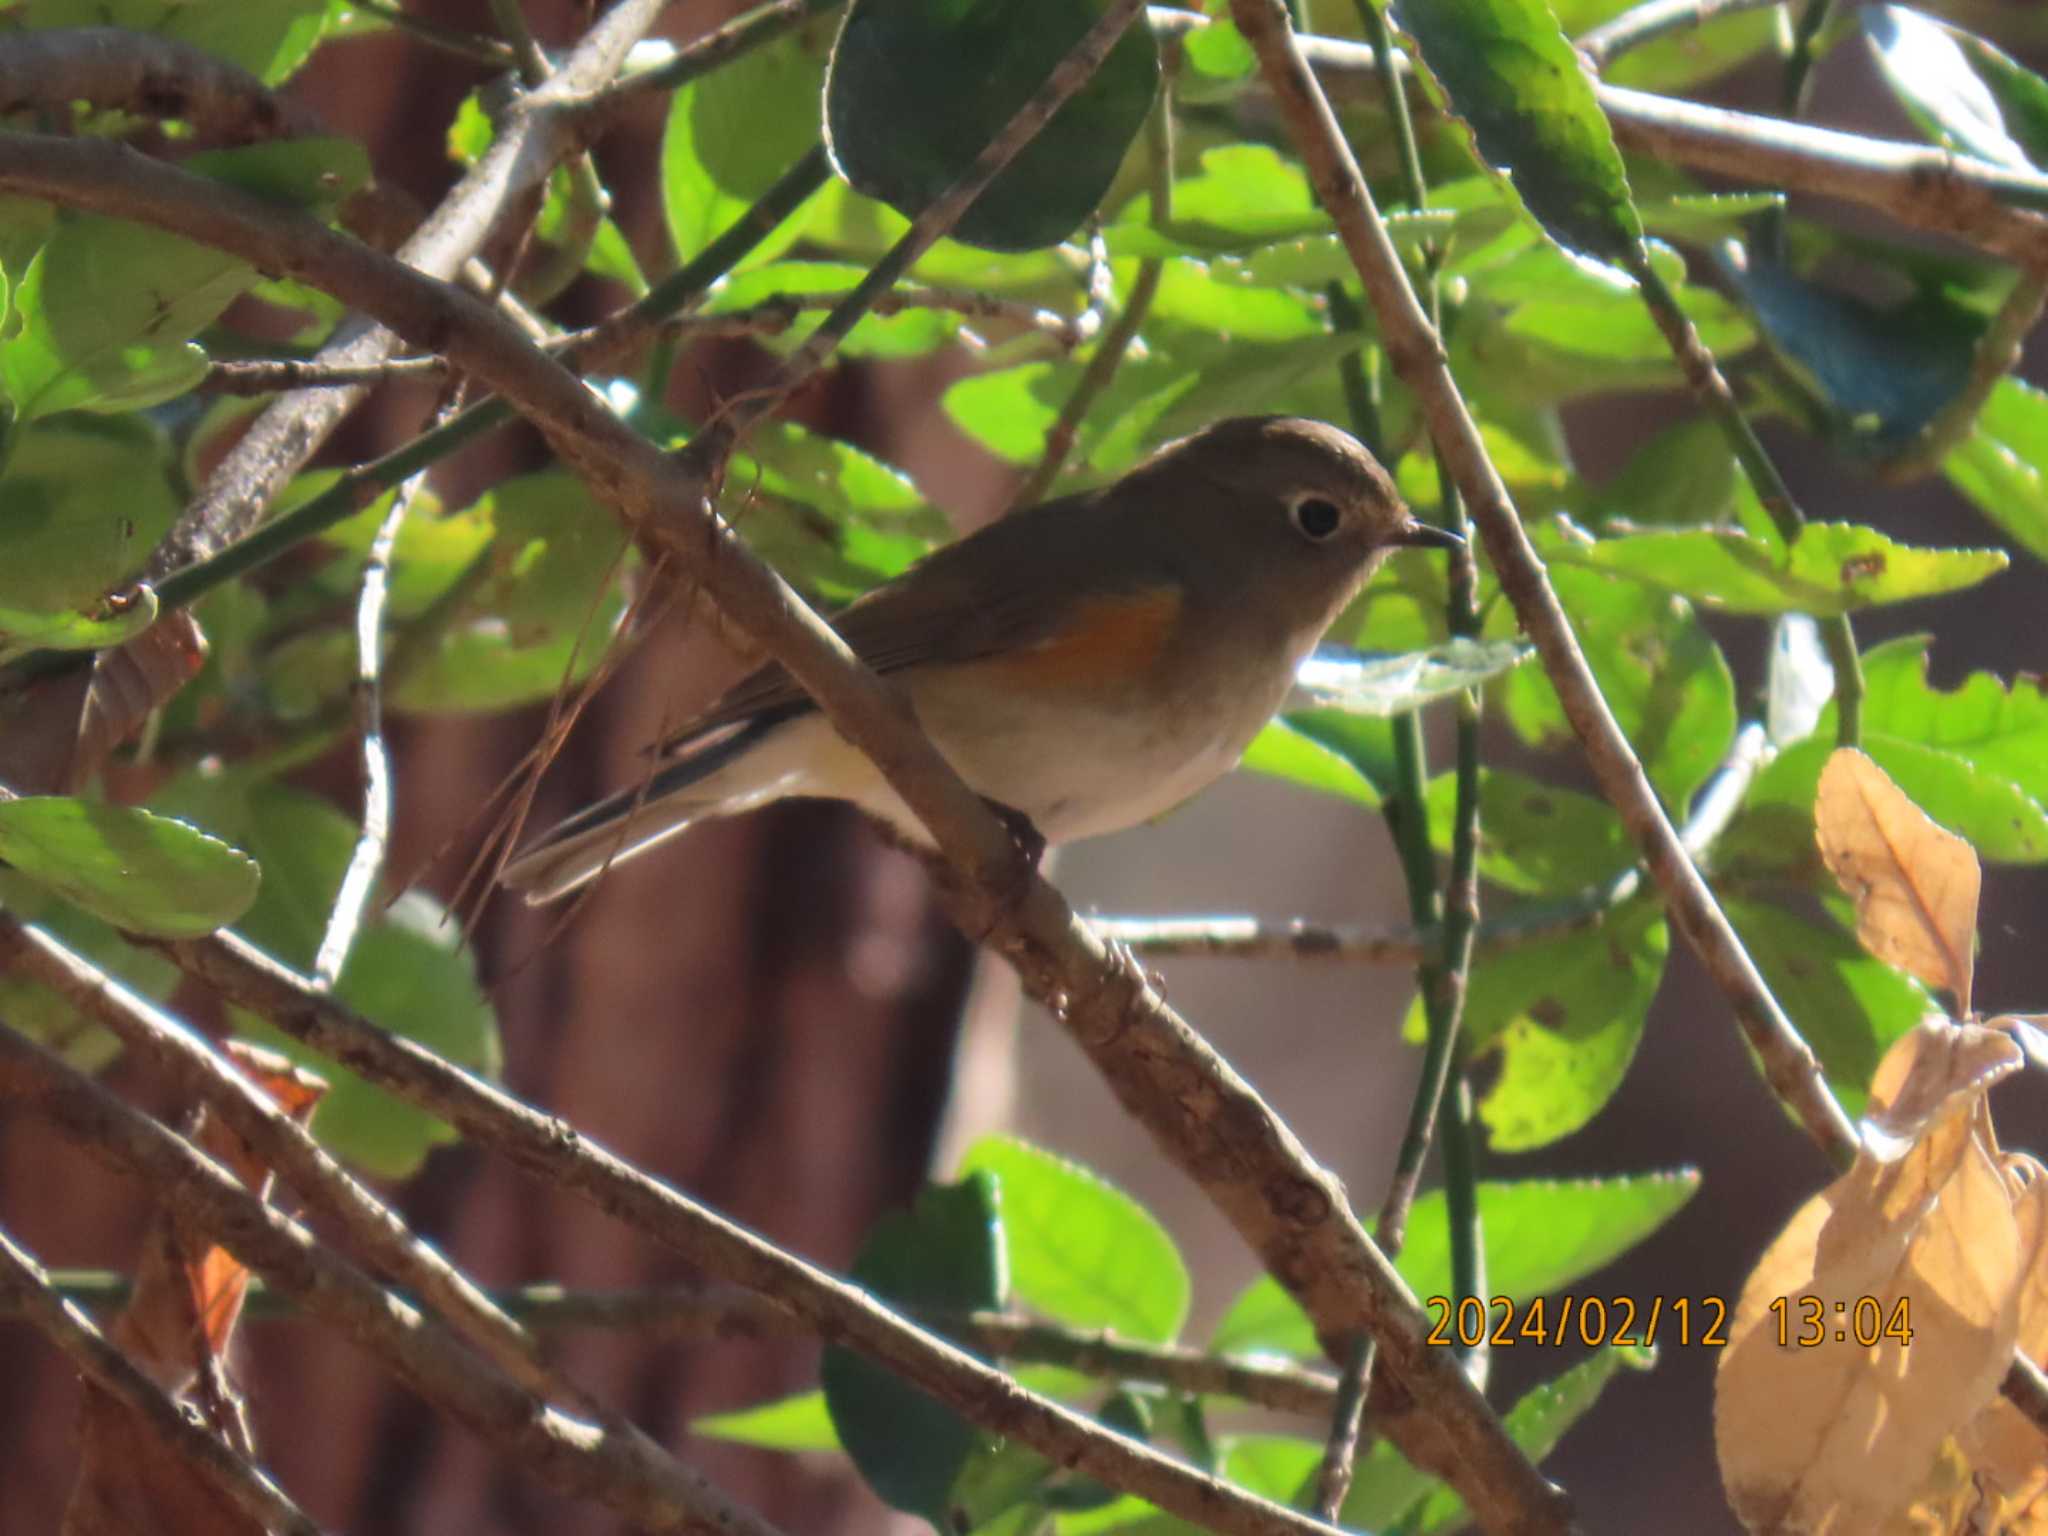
x=1317 y=516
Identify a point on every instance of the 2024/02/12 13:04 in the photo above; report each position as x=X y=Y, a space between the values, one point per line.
x=1807 y=1321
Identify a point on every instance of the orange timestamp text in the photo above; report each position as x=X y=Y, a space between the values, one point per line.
x=1594 y=1321
x=1804 y=1322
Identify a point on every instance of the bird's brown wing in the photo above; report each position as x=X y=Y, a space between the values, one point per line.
x=971 y=599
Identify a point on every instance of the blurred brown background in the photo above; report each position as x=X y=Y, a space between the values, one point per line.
x=766 y=1015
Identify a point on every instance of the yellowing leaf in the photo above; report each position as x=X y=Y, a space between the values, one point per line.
x=1914 y=884
x=1917 y=1246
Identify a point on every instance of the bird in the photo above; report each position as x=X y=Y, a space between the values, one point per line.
x=1085 y=664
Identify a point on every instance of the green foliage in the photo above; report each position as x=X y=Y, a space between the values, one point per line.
x=142 y=873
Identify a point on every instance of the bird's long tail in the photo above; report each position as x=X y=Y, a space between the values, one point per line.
x=623 y=825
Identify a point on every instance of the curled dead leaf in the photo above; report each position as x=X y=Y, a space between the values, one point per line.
x=1919 y=1249
x=1914 y=883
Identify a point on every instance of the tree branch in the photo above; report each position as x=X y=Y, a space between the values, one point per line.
x=147 y=75
x=839 y=1312
x=572 y=1456
x=25 y=1291
x=174 y=1050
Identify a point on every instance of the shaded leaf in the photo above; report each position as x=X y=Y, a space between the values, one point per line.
x=945 y=1254
x=1535 y=838
x=917 y=88
x=1298 y=749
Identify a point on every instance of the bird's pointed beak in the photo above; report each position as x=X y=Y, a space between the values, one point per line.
x=1428 y=536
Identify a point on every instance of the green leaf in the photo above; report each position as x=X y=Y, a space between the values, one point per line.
x=1999 y=465
x=302 y=843
x=1929 y=73
x=1563 y=1017
x=799 y=1423
x=917 y=88
x=107 y=306
x=115 y=621
x=544 y=616
x=1975 y=758
x=1831 y=568
x=1536 y=838
x=409 y=973
x=1080 y=1250
x=1684 y=476
x=1286 y=750
x=1541 y=1235
x=46 y=1016
x=2004 y=823
x=82 y=502
x=1383 y=686
x=1723 y=39
x=1245 y=196
x=2022 y=95
x=1515 y=79
x=1661 y=672
x=1848 y=1005
x=732 y=132
x=911 y=333
x=945 y=1254
x=1539 y=1419
x=140 y=872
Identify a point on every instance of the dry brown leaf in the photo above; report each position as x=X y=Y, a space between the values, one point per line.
x=177 y=1328
x=1839 y=1437
x=2005 y=1451
x=1914 y=883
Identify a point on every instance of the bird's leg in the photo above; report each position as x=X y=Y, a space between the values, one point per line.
x=1023 y=831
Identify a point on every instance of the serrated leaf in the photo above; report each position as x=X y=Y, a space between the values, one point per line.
x=140 y=872
x=1999 y=465
x=917 y=88
x=1831 y=568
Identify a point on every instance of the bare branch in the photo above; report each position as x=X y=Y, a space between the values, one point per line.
x=571 y=1455
x=25 y=1291
x=147 y=75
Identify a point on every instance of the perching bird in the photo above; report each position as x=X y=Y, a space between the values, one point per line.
x=1088 y=662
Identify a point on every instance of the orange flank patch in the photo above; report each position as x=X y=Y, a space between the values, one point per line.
x=1105 y=641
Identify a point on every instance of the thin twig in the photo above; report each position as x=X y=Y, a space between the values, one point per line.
x=1648 y=23
x=25 y=1292
x=837 y=1311
x=473 y=46
x=695 y=1313
x=366 y=862
x=284 y=1146
x=1347 y=1420
x=571 y=1455
x=529 y=142
x=717 y=48
x=602 y=345
x=1418 y=357
x=1255 y=938
x=707 y=451
x=1116 y=341
x=1710 y=387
